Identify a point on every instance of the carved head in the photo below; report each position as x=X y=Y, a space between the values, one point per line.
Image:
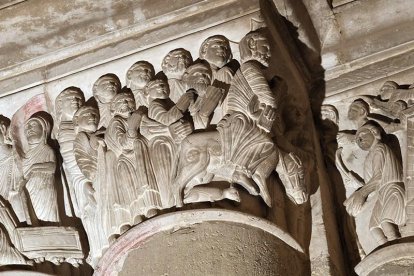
x=106 y=87
x=198 y=73
x=4 y=129
x=68 y=102
x=358 y=110
x=37 y=129
x=368 y=135
x=157 y=89
x=387 y=89
x=175 y=62
x=216 y=50
x=255 y=46
x=232 y=194
x=123 y=104
x=139 y=74
x=86 y=119
x=292 y=174
x=329 y=112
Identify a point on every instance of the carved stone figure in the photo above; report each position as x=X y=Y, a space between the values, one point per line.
x=174 y=65
x=210 y=194
x=39 y=165
x=11 y=177
x=217 y=52
x=382 y=174
x=88 y=148
x=249 y=92
x=66 y=104
x=198 y=75
x=163 y=149
x=131 y=188
x=358 y=114
x=203 y=156
x=104 y=90
x=160 y=108
x=138 y=75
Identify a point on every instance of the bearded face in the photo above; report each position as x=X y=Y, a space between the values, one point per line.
x=138 y=76
x=261 y=51
x=198 y=74
x=123 y=105
x=175 y=63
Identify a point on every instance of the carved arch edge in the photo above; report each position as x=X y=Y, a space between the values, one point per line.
x=114 y=258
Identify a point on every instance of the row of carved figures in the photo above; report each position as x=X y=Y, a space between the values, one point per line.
x=130 y=152
x=380 y=129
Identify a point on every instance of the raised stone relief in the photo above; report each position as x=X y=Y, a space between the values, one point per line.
x=209 y=132
x=373 y=161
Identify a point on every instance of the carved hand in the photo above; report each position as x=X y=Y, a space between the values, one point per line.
x=185 y=100
x=354 y=203
x=134 y=121
x=180 y=130
x=211 y=101
x=345 y=138
x=269 y=113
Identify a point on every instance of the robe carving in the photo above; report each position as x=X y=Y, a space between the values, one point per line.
x=41 y=182
x=382 y=169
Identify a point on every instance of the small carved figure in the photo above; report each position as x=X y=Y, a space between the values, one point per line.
x=161 y=109
x=131 y=187
x=382 y=174
x=211 y=194
x=138 y=75
x=174 y=65
x=208 y=98
x=39 y=165
x=104 y=90
x=217 y=52
x=163 y=149
x=88 y=149
x=66 y=104
x=11 y=177
x=358 y=114
x=249 y=92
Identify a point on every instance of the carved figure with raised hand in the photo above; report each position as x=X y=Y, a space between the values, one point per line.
x=88 y=149
x=161 y=109
x=217 y=52
x=138 y=75
x=383 y=175
x=163 y=149
x=39 y=165
x=208 y=98
x=174 y=65
x=242 y=151
x=249 y=92
x=131 y=189
x=104 y=90
x=11 y=177
x=66 y=104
